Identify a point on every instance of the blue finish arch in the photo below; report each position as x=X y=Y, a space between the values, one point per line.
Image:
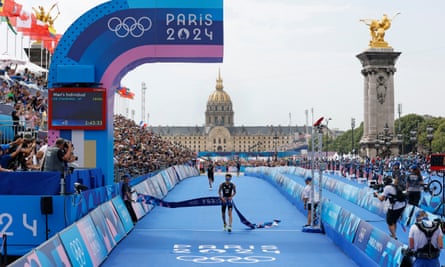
x=110 y=40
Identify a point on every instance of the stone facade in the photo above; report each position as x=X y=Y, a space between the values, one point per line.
x=378 y=71
x=220 y=135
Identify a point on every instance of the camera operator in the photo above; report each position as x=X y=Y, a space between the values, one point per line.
x=395 y=206
x=425 y=241
x=398 y=175
x=58 y=156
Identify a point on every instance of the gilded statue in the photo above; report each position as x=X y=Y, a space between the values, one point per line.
x=46 y=16
x=377 y=29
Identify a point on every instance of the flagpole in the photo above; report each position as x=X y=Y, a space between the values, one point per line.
x=21 y=46
x=29 y=49
x=7 y=38
x=15 y=46
x=41 y=53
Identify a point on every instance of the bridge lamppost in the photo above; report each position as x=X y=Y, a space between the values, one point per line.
x=352 y=135
x=430 y=136
x=387 y=140
x=400 y=140
x=413 y=139
x=377 y=146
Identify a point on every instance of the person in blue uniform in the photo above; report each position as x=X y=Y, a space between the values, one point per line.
x=227 y=190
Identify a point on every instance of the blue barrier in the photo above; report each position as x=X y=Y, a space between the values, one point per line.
x=366 y=245
x=88 y=239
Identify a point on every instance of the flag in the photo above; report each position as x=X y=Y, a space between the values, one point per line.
x=23 y=22
x=51 y=43
x=11 y=8
x=125 y=93
x=32 y=27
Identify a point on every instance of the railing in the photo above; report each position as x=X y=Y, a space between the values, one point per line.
x=8 y=131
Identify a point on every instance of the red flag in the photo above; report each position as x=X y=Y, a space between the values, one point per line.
x=125 y=93
x=37 y=31
x=11 y=9
x=51 y=43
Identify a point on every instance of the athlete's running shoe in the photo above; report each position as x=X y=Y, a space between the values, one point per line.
x=225 y=227
x=229 y=229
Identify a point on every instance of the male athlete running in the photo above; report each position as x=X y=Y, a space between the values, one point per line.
x=227 y=191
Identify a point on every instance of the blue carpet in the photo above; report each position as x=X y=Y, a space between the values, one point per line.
x=194 y=236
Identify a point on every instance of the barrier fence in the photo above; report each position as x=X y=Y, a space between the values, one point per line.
x=364 y=243
x=89 y=240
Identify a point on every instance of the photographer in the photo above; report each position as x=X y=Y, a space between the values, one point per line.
x=395 y=205
x=58 y=156
x=425 y=241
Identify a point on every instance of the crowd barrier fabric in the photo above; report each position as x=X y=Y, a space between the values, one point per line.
x=84 y=227
x=367 y=245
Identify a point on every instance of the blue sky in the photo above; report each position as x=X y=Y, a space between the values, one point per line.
x=288 y=56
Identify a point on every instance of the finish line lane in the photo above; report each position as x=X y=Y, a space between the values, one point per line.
x=194 y=236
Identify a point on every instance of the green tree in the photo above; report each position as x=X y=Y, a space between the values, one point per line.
x=411 y=127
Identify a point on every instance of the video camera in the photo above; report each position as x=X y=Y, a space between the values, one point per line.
x=387 y=180
x=377 y=187
x=66 y=145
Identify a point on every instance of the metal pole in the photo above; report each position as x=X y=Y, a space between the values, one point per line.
x=320 y=177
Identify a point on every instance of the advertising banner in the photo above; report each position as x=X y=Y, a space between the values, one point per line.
x=113 y=219
x=105 y=232
x=347 y=224
x=75 y=246
x=363 y=234
x=94 y=244
x=121 y=213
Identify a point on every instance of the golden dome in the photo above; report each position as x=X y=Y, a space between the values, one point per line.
x=219 y=95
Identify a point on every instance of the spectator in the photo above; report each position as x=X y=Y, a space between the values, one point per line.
x=126 y=196
x=58 y=156
x=8 y=152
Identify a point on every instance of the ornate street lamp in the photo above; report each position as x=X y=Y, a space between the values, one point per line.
x=352 y=135
x=377 y=146
x=413 y=139
x=400 y=140
x=430 y=136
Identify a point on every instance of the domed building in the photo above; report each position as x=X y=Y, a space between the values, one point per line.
x=219 y=107
x=220 y=135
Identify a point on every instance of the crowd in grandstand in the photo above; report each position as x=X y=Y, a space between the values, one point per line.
x=138 y=151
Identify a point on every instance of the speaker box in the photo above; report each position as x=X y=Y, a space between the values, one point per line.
x=46 y=205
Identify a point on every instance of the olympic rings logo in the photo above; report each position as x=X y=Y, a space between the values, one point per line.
x=129 y=26
x=229 y=259
x=79 y=254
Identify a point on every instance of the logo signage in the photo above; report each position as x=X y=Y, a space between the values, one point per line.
x=168 y=26
x=236 y=254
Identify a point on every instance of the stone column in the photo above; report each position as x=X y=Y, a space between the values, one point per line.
x=378 y=71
